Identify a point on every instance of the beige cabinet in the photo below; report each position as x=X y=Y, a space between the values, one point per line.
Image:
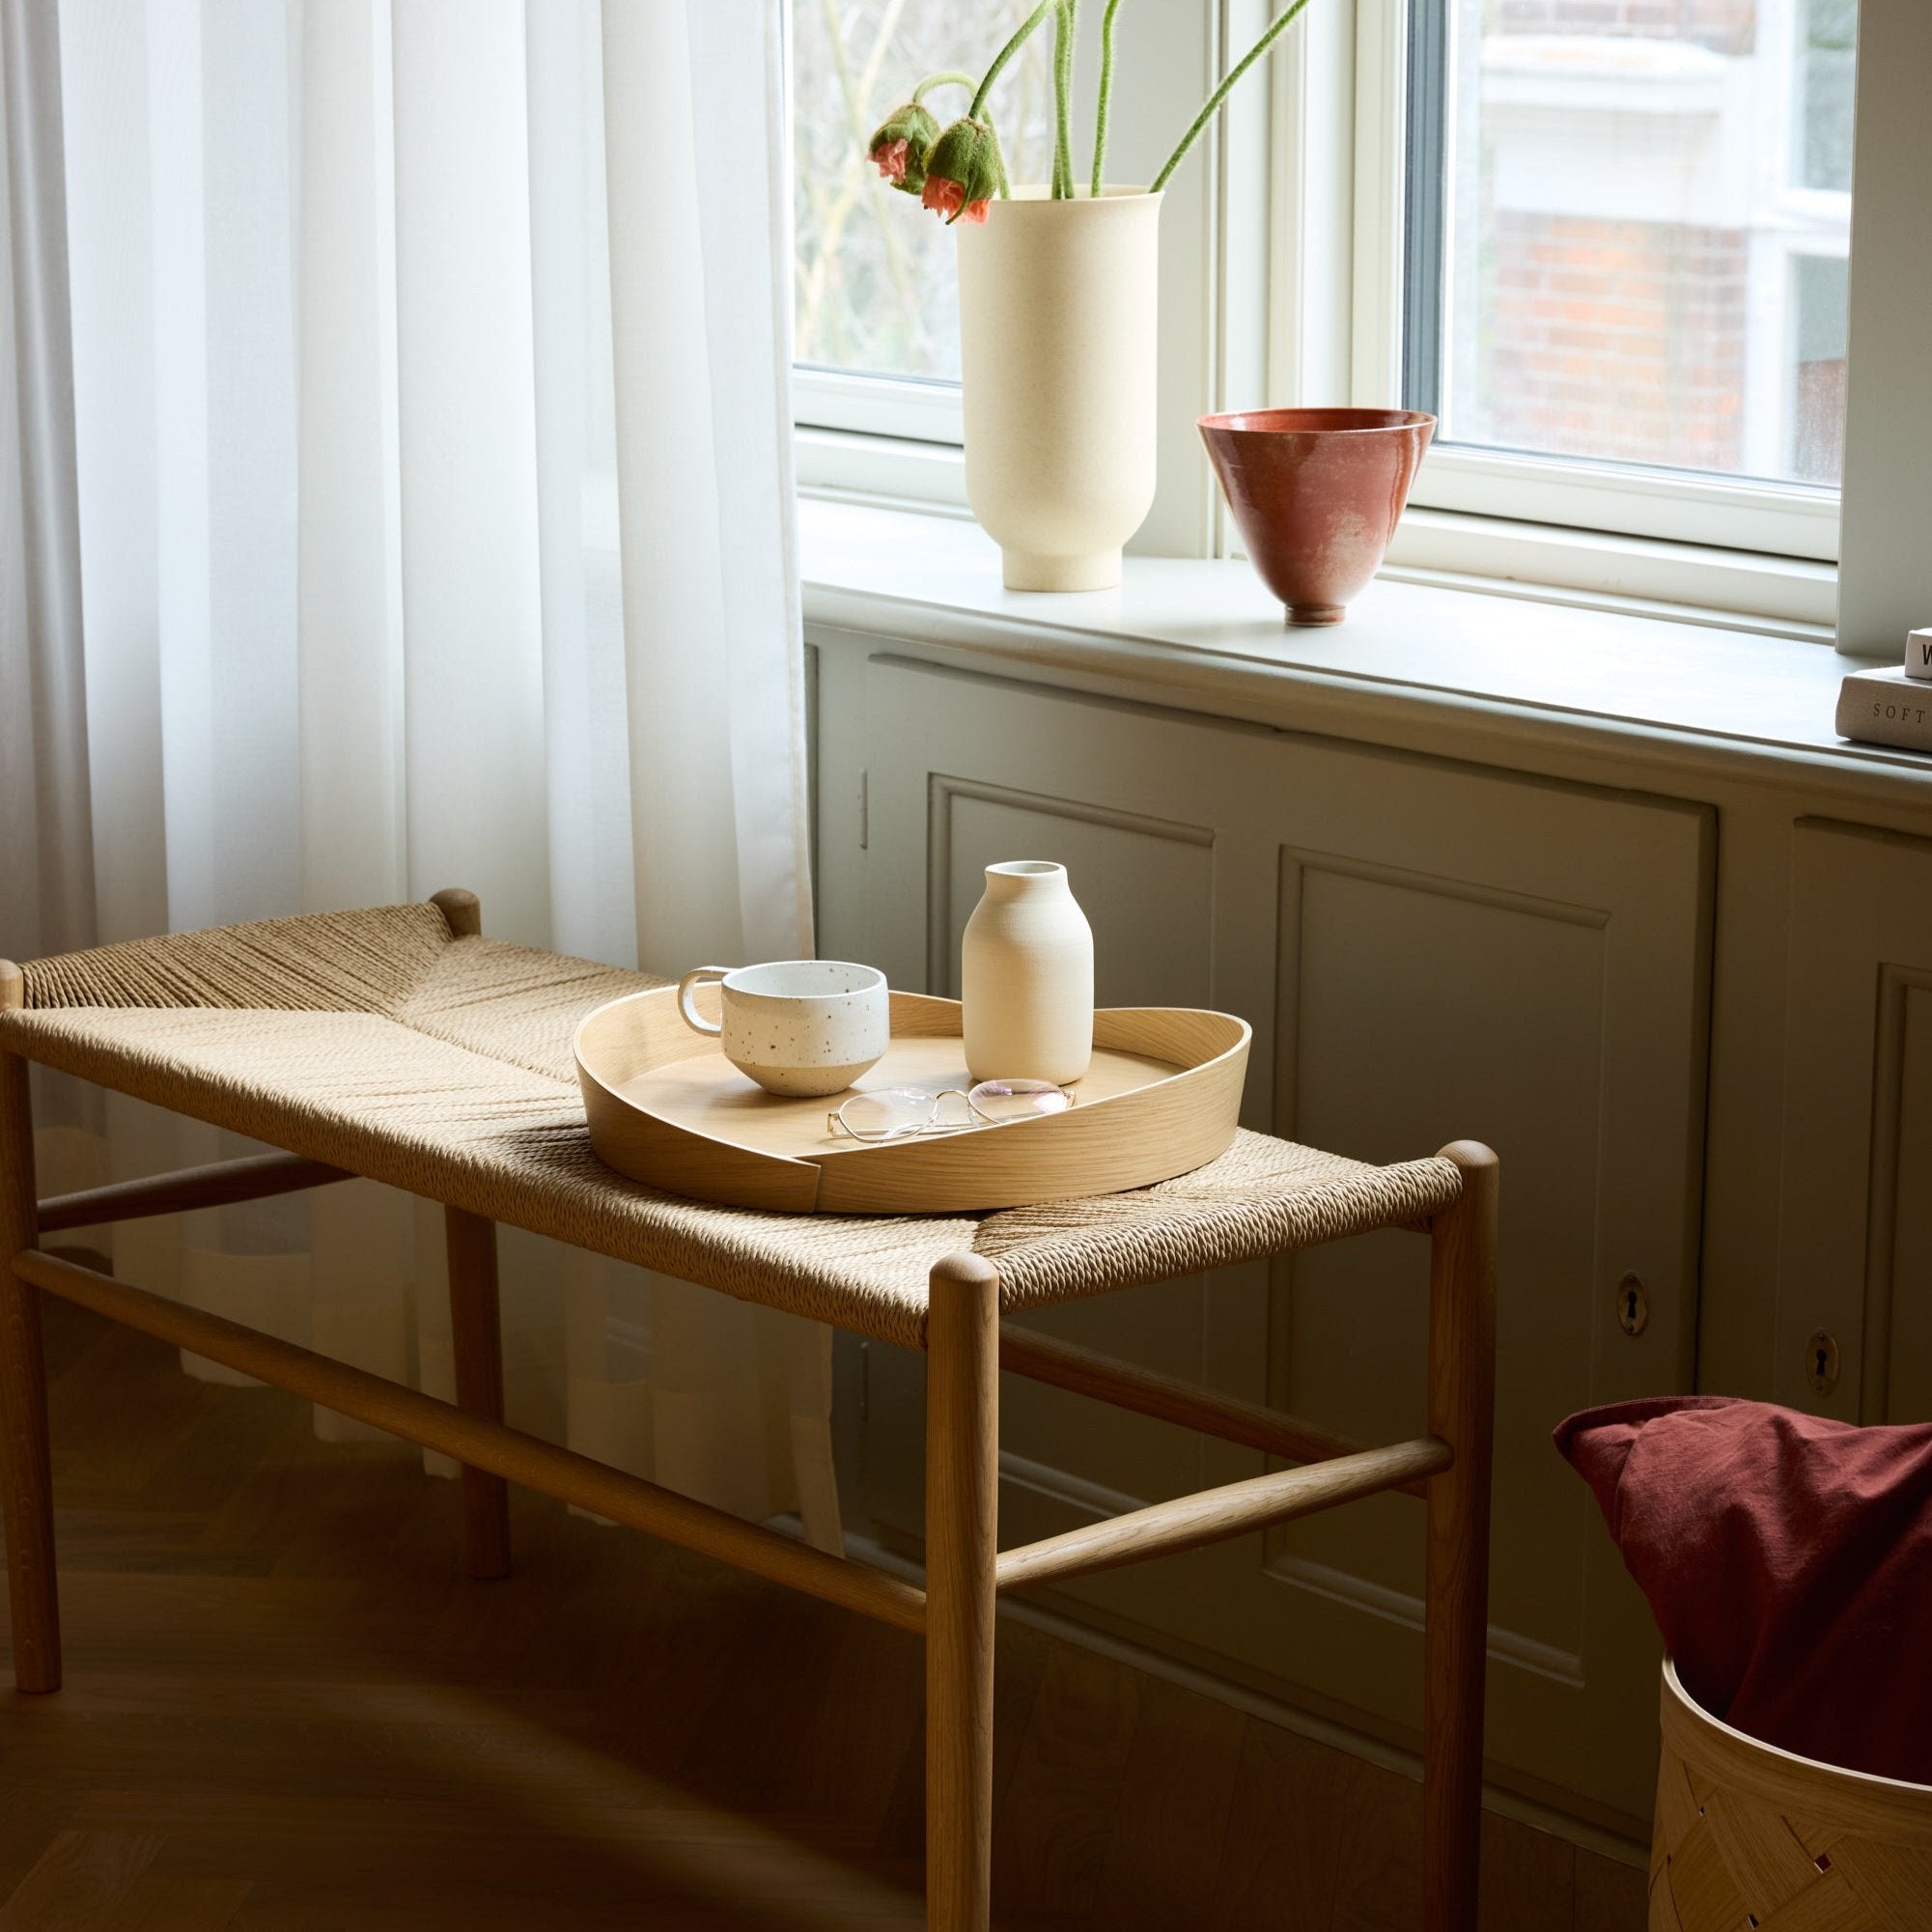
x=1425 y=950
x=1854 y=1244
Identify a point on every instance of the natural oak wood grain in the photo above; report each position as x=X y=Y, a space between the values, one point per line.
x=477 y=1334
x=214 y=1185
x=1211 y=1516
x=84 y=1879
x=961 y=1540
x=665 y=1106
x=620 y=1734
x=1084 y=1371
x=1461 y=1412
x=1067 y=1783
x=26 y=1468
x=1747 y=1834
x=1164 y=1095
x=486 y=1445
x=461 y=910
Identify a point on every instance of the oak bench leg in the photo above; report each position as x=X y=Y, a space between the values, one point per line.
x=1462 y=1402
x=476 y=1330
x=962 y=1523
x=26 y=1464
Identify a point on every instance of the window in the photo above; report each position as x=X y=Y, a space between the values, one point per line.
x=1604 y=240
x=876 y=388
x=877 y=310
x=1639 y=212
x=875 y=292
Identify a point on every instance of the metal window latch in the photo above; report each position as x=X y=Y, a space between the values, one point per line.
x=1821 y=1361
x=1633 y=1305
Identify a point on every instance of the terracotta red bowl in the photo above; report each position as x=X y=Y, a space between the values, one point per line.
x=1317 y=494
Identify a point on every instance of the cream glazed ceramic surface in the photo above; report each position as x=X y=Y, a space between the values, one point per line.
x=795 y=1026
x=1058 y=304
x=1026 y=977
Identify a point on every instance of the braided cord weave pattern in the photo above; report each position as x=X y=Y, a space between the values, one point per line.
x=329 y=963
x=443 y=1067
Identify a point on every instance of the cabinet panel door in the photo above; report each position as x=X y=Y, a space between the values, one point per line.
x=1426 y=952
x=1157 y=822
x=1526 y=963
x=1854 y=1248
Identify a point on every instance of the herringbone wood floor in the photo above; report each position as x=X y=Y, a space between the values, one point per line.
x=285 y=1708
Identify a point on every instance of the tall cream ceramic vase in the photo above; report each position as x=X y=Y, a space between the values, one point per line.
x=1058 y=303
x=1026 y=977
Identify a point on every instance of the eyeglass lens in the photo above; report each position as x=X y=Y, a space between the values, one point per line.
x=887 y=1113
x=999 y=1100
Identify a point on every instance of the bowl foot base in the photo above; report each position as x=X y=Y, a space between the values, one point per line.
x=1315 y=613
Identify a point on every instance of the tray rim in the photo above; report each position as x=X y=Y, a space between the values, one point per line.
x=874 y=1180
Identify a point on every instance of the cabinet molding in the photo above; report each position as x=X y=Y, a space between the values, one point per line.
x=1426 y=949
x=1855 y=1260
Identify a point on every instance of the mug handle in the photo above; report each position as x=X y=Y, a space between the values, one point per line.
x=688 y=985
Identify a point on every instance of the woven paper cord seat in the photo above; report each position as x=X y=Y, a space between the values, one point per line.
x=378 y=1042
x=1750 y=1835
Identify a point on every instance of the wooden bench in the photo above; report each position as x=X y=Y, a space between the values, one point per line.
x=401 y=1045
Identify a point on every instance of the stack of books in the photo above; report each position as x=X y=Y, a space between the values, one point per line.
x=1893 y=706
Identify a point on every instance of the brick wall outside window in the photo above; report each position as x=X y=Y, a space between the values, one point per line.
x=1619 y=339
x=1616 y=339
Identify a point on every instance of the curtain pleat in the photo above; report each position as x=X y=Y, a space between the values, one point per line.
x=47 y=854
x=592 y=860
x=473 y=671
x=667 y=495
x=427 y=501
x=744 y=240
x=104 y=98
x=350 y=561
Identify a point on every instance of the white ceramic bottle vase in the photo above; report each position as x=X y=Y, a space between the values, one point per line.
x=1026 y=977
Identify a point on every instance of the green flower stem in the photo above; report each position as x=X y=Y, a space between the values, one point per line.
x=1000 y=155
x=933 y=81
x=1221 y=94
x=1105 y=93
x=1007 y=52
x=1063 y=99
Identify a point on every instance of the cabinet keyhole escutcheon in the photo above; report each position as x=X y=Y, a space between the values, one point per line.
x=1633 y=1305
x=1821 y=1362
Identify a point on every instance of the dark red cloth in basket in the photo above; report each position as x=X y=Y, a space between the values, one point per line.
x=1788 y=1562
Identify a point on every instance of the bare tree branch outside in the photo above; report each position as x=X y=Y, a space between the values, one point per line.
x=876 y=291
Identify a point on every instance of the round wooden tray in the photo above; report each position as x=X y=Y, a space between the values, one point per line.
x=664 y=1106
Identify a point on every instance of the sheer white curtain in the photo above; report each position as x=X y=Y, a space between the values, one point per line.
x=402 y=500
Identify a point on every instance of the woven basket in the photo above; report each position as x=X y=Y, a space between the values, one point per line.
x=1749 y=1836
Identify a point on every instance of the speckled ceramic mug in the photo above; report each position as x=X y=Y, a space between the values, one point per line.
x=795 y=1026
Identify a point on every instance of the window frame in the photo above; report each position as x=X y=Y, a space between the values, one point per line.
x=1304 y=185
x=1750 y=516
x=889 y=439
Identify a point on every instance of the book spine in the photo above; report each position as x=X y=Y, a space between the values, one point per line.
x=1885 y=711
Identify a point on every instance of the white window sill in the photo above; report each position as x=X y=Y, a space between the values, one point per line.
x=1207 y=636
x=1443 y=540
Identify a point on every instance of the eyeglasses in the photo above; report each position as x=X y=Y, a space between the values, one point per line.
x=890 y=1113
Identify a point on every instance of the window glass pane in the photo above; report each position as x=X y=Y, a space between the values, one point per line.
x=1818 y=372
x=874 y=288
x=1828 y=30
x=1647 y=210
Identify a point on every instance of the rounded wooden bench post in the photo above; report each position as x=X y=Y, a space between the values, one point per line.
x=26 y=1463
x=461 y=910
x=1462 y=1405
x=476 y=1329
x=961 y=1526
